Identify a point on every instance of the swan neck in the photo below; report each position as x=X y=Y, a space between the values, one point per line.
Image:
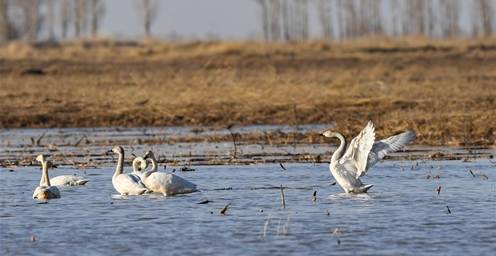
x=341 y=149
x=120 y=163
x=154 y=164
x=44 y=174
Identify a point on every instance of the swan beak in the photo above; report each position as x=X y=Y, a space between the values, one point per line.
x=321 y=134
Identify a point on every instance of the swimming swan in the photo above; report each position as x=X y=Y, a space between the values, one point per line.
x=65 y=180
x=165 y=183
x=129 y=183
x=363 y=153
x=45 y=190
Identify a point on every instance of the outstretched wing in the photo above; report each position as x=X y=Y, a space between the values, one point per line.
x=355 y=158
x=394 y=143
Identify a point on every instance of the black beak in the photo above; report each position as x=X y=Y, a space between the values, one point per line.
x=321 y=134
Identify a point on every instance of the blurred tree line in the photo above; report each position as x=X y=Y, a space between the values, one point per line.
x=281 y=20
x=284 y=20
x=25 y=19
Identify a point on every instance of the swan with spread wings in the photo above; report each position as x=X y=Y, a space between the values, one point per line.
x=348 y=164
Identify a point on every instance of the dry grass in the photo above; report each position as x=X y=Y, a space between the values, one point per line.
x=446 y=91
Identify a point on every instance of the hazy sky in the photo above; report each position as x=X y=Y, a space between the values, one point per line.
x=231 y=19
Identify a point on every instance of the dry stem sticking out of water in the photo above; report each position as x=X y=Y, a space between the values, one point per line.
x=224 y=209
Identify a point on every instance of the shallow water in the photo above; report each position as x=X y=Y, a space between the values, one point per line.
x=402 y=214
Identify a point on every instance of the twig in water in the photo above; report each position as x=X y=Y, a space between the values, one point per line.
x=79 y=141
x=205 y=202
x=338 y=232
x=314 y=197
x=283 y=200
x=224 y=209
x=280 y=164
x=286 y=226
x=38 y=140
x=473 y=175
x=484 y=177
x=234 y=143
x=447 y=207
x=438 y=190
x=327 y=212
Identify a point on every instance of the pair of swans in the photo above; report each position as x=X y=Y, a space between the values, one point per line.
x=138 y=182
x=45 y=190
x=348 y=164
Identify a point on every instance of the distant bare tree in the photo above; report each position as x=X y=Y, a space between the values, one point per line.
x=51 y=19
x=419 y=17
x=449 y=24
x=31 y=23
x=83 y=15
x=76 y=20
x=148 y=10
x=265 y=18
x=341 y=19
x=304 y=20
x=4 y=22
x=324 y=12
x=377 y=24
x=352 y=19
x=394 y=17
x=65 y=17
x=275 y=20
x=485 y=11
x=97 y=14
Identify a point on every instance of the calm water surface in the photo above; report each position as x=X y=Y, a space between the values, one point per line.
x=402 y=214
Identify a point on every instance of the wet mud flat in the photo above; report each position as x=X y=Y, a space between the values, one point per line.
x=181 y=147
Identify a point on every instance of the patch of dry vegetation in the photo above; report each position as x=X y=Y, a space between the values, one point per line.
x=446 y=91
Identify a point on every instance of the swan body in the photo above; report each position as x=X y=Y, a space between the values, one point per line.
x=68 y=180
x=165 y=183
x=348 y=164
x=45 y=190
x=126 y=184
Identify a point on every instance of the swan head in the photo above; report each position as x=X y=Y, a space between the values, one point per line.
x=117 y=149
x=149 y=154
x=329 y=134
x=41 y=158
x=139 y=163
x=51 y=165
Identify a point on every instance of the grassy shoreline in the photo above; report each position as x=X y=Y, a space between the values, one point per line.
x=446 y=91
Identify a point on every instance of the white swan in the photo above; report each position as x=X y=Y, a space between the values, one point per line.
x=65 y=180
x=45 y=190
x=164 y=183
x=126 y=184
x=363 y=153
x=68 y=180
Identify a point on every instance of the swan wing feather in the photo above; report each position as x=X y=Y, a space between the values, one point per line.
x=392 y=144
x=355 y=158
